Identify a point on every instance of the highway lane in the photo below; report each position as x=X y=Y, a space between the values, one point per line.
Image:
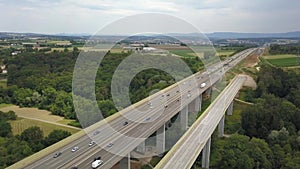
x=105 y=136
x=142 y=131
x=143 y=127
x=186 y=150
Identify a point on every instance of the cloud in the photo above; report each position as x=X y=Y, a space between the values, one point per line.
x=55 y=16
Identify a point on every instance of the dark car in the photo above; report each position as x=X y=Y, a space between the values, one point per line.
x=97 y=158
x=125 y=123
x=57 y=154
x=75 y=167
x=96 y=132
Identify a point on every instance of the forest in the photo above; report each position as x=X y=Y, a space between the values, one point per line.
x=270 y=130
x=276 y=49
x=44 y=80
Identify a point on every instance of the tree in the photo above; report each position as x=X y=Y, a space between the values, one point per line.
x=63 y=105
x=240 y=152
x=5 y=128
x=34 y=137
x=11 y=115
x=55 y=136
x=22 y=96
x=16 y=150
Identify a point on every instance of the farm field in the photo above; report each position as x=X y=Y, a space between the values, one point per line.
x=279 y=56
x=19 y=125
x=285 y=62
x=32 y=113
x=184 y=52
x=227 y=53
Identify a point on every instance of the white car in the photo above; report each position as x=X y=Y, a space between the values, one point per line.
x=110 y=145
x=75 y=148
x=91 y=143
x=96 y=163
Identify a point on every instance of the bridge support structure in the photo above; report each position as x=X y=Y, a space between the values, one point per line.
x=161 y=140
x=198 y=103
x=125 y=162
x=184 y=117
x=206 y=154
x=141 y=148
x=221 y=126
x=230 y=109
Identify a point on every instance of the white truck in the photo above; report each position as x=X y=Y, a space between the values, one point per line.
x=202 y=85
x=96 y=163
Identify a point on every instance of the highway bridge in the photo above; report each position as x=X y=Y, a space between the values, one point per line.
x=114 y=135
x=198 y=137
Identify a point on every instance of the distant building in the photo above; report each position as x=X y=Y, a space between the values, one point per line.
x=148 y=49
x=15 y=53
x=134 y=46
x=64 y=44
x=4 y=71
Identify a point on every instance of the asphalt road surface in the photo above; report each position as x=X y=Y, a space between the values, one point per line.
x=186 y=150
x=115 y=139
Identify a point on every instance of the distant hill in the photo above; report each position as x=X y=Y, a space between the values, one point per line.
x=235 y=35
x=215 y=35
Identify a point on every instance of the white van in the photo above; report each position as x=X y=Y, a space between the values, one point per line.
x=96 y=163
x=202 y=85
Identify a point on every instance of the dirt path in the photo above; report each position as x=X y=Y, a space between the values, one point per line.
x=250 y=82
x=251 y=61
x=37 y=114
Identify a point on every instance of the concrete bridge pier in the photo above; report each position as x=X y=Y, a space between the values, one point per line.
x=195 y=105
x=141 y=148
x=230 y=109
x=206 y=154
x=198 y=103
x=221 y=126
x=125 y=162
x=184 y=117
x=161 y=140
x=209 y=91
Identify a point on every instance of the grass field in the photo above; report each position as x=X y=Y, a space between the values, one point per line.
x=183 y=52
x=285 y=62
x=226 y=53
x=190 y=53
x=19 y=125
x=33 y=113
x=233 y=123
x=2 y=105
x=279 y=56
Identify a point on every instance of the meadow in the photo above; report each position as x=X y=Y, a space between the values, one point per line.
x=19 y=125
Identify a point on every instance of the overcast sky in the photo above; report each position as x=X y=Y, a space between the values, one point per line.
x=88 y=16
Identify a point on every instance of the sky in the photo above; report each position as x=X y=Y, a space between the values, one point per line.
x=88 y=16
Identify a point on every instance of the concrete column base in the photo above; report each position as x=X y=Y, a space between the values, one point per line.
x=125 y=162
x=161 y=140
x=230 y=109
x=221 y=126
x=184 y=116
x=141 y=148
x=206 y=154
